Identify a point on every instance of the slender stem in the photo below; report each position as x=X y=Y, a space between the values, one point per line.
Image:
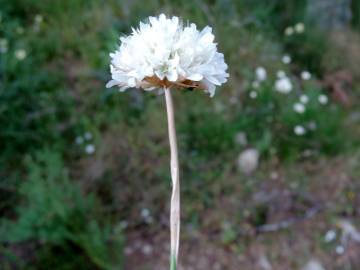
x=175 y=196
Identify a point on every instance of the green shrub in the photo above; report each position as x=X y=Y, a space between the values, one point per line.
x=56 y=214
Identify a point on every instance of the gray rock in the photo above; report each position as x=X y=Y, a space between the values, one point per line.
x=330 y=14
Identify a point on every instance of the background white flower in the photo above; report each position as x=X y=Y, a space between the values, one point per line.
x=253 y=94
x=323 y=99
x=89 y=149
x=299 y=28
x=165 y=53
x=299 y=130
x=299 y=108
x=20 y=54
x=304 y=99
x=339 y=250
x=286 y=59
x=281 y=74
x=305 y=75
x=330 y=236
x=289 y=31
x=260 y=74
x=283 y=85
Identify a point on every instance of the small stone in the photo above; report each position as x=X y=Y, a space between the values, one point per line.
x=248 y=160
x=313 y=265
x=339 y=250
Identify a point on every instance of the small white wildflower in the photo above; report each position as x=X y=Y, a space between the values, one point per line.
x=299 y=108
x=299 y=130
x=299 y=28
x=20 y=54
x=304 y=99
x=253 y=94
x=323 y=99
x=145 y=213
x=3 y=45
x=330 y=236
x=168 y=53
x=283 y=85
x=281 y=74
x=289 y=31
x=79 y=140
x=339 y=250
x=90 y=149
x=261 y=74
x=313 y=264
x=305 y=75
x=88 y=136
x=255 y=84
x=38 y=19
x=248 y=160
x=286 y=59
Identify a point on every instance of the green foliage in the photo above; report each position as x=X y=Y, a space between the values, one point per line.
x=57 y=214
x=270 y=120
x=57 y=93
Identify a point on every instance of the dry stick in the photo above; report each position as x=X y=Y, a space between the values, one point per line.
x=175 y=196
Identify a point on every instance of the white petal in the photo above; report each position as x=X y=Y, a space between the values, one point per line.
x=111 y=83
x=195 y=77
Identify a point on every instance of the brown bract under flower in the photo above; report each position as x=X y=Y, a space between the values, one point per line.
x=158 y=83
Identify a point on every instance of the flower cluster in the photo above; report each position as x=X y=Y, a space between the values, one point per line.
x=165 y=53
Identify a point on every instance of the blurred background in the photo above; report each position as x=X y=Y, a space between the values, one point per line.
x=269 y=166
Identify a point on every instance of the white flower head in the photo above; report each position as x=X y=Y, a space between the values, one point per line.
x=261 y=74
x=330 y=236
x=339 y=250
x=20 y=54
x=283 y=85
x=323 y=99
x=89 y=149
x=299 y=108
x=286 y=59
x=253 y=94
x=289 y=31
x=304 y=99
x=281 y=74
x=38 y=19
x=166 y=53
x=299 y=130
x=299 y=28
x=305 y=75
